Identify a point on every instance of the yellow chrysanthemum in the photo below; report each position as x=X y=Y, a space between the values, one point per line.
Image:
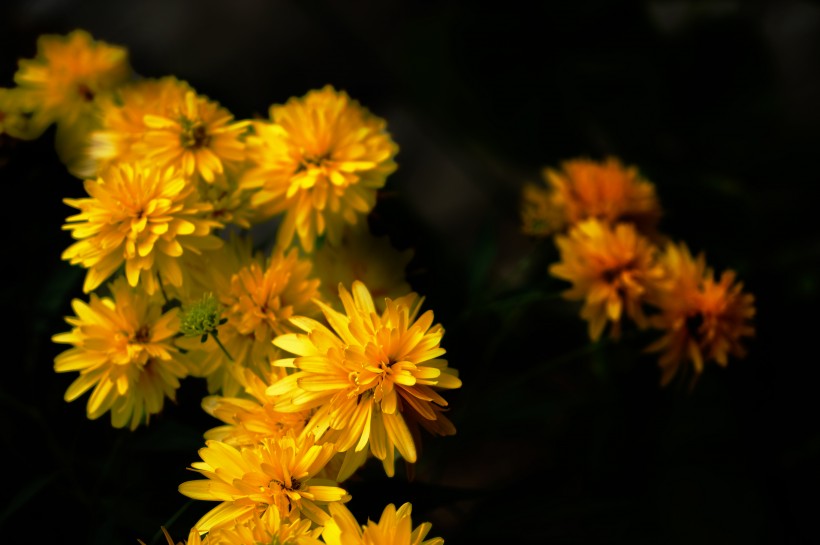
x=121 y=116
x=279 y=473
x=123 y=348
x=703 y=319
x=366 y=374
x=266 y=529
x=613 y=269
x=366 y=258
x=605 y=190
x=320 y=161
x=395 y=527
x=195 y=135
x=66 y=74
x=143 y=217
x=258 y=295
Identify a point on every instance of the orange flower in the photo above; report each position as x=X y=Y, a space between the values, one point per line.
x=613 y=269
x=607 y=190
x=703 y=319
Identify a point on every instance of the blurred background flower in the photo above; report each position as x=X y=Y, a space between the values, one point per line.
x=714 y=102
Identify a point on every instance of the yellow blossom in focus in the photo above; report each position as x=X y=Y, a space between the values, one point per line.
x=702 y=319
x=395 y=527
x=269 y=528
x=66 y=74
x=143 y=217
x=582 y=189
x=278 y=473
x=258 y=296
x=319 y=160
x=123 y=347
x=366 y=258
x=195 y=135
x=613 y=269
x=365 y=374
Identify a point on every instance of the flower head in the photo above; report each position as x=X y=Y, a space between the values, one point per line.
x=123 y=347
x=268 y=528
x=141 y=216
x=365 y=374
x=613 y=269
x=319 y=160
x=278 y=473
x=582 y=189
x=121 y=115
x=195 y=135
x=395 y=527
x=703 y=319
x=67 y=73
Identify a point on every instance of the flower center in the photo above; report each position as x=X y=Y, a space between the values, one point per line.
x=85 y=92
x=194 y=135
x=143 y=335
x=295 y=484
x=312 y=161
x=693 y=325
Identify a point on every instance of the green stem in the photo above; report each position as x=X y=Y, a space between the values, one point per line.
x=225 y=350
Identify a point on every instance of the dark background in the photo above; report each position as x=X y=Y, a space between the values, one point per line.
x=559 y=441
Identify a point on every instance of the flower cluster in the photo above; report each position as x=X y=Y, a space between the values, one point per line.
x=603 y=217
x=307 y=373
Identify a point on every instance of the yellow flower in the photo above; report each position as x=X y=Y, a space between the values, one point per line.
x=395 y=527
x=141 y=216
x=66 y=74
x=605 y=190
x=364 y=257
x=121 y=116
x=265 y=529
x=703 y=319
x=320 y=161
x=613 y=269
x=123 y=348
x=366 y=374
x=195 y=135
x=279 y=473
x=258 y=295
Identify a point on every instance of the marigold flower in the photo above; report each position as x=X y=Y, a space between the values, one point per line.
x=366 y=374
x=613 y=269
x=395 y=527
x=278 y=473
x=141 y=216
x=366 y=258
x=703 y=319
x=319 y=160
x=539 y=216
x=66 y=74
x=123 y=347
x=258 y=296
x=582 y=188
